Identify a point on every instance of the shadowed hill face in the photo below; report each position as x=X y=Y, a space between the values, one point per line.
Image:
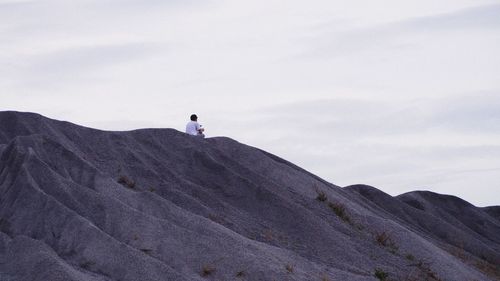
x=157 y=204
x=456 y=211
x=494 y=211
x=18 y=124
x=448 y=220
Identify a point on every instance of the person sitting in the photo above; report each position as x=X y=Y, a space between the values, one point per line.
x=194 y=128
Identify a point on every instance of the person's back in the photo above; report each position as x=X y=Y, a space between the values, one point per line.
x=193 y=128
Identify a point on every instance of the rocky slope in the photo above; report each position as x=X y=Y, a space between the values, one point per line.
x=155 y=204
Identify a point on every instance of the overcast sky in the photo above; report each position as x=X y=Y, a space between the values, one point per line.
x=401 y=95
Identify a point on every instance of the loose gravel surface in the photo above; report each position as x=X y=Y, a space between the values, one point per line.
x=156 y=204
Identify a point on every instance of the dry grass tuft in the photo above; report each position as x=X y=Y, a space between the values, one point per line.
x=488 y=268
x=340 y=211
x=87 y=264
x=147 y=251
x=424 y=272
x=321 y=197
x=384 y=239
x=127 y=182
x=324 y=277
x=410 y=257
x=207 y=270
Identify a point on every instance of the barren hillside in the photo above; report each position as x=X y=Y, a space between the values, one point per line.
x=155 y=204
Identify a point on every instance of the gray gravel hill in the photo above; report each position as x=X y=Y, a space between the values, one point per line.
x=156 y=204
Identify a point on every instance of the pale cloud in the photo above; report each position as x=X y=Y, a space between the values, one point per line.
x=478 y=17
x=394 y=35
x=466 y=113
x=72 y=64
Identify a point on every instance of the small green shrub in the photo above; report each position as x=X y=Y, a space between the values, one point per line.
x=380 y=274
x=289 y=268
x=410 y=257
x=240 y=273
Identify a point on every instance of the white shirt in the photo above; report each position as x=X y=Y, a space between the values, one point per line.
x=192 y=128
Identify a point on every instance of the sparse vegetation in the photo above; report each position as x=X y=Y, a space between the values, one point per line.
x=380 y=274
x=338 y=208
x=289 y=268
x=152 y=189
x=268 y=235
x=87 y=264
x=321 y=197
x=340 y=211
x=459 y=252
x=215 y=218
x=324 y=277
x=126 y=181
x=488 y=268
x=207 y=270
x=384 y=239
x=147 y=251
x=410 y=257
x=483 y=264
x=240 y=273
x=424 y=272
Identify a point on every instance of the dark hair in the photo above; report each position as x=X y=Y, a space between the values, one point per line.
x=194 y=117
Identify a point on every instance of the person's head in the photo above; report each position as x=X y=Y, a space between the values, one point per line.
x=194 y=117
